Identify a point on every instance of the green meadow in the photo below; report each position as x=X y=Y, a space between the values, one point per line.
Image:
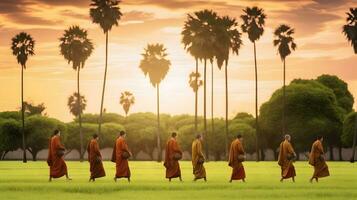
x=30 y=181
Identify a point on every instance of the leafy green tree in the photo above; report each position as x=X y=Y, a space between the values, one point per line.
x=22 y=47
x=349 y=127
x=313 y=110
x=156 y=65
x=253 y=24
x=285 y=42
x=106 y=13
x=106 y=118
x=32 y=109
x=38 y=131
x=10 y=136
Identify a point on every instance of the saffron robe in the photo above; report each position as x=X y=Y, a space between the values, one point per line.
x=122 y=165
x=95 y=160
x=199 y=170
x=287 y=167
x=58 y=167
x=236 y=149
x=172 y=165
x=317 y=160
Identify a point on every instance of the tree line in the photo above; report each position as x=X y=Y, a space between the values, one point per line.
x=207 y=36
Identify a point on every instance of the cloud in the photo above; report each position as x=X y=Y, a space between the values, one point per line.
x=137 y=16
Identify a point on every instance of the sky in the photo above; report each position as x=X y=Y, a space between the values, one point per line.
x=49 y=79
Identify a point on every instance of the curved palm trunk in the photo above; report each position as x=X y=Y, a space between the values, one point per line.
x=81 y=153
x=158 y=124
x=284 y=98
x=354 y=142
x=212 y=119
x=24 y=158
x=226 y=128
x=196 y=96
x=104 y=82
x=256 y=104
x=204 y=108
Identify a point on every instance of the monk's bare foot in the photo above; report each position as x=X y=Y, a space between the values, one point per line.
x=195 y=179
x=281 y=180
x=50 y=179
x=205 y=179
x=68 y=179
x=317 y=180
x=115 y=179
x=311 y=180
x=293 y=180
x=169 y=179
x=230 y=181
x=129 y=179
x=243 y=180
x=180 y=178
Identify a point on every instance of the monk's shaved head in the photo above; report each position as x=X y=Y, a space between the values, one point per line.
x=287 y=137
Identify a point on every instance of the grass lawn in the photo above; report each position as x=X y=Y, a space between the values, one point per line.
x=30 y=181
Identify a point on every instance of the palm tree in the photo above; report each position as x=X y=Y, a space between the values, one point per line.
x=285 y=43
x=127 y=99
x=156 y=65
x=76 y=49
x=106 y=13
x=229 y=37
x=198 y=39
x=195 y=84
x=253 y=25
x=76 y=108
x=22 y=47
x=350 y=31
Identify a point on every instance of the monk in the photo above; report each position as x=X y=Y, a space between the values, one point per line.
x=95 y=159
x=198 y=158
x=286 y=159
x=172 y=157
x=55 y=161
x=120 y=156
x=236 y=158
x=317 y=160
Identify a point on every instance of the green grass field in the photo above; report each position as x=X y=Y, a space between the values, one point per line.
x=30 y=181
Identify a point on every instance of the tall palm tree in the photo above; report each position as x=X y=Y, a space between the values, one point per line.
x=76 y=49
x=199 y=39
x=76 y=104
x=127 y=99
x=229 y=37
x=23 y=46
x=285 y=42
x=253 y=24
x=350 y=31
x=106 y=13
x=195 y=83
x=156 y=65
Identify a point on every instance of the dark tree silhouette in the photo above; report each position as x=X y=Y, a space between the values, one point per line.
x=106 y=13
x=76 y=49
x=253 y=24
x=22 y=47
x=127 y=99
x=156 y=65
x=285 y=43
x=195 y=83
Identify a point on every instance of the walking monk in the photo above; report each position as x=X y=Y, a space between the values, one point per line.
x=55 y=161
x=236 y=159
x=317 y=160
x=120 y=156
x=173 y=154
x=198 y=159
x=286 y=159
x=95 y=159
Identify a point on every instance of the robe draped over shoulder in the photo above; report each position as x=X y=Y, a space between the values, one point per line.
x=236 y=149
x=58 y=167
x=317 y=160
x=172 y=166
x=287 y=167
x=199 y=170
x=95 y=160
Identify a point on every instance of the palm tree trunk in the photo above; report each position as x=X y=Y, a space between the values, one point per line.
x=226 y=127
x=284 y=97
x=104 y=82
x=256 y=104
x=204 y=107
x=158 y=124
x=212 y=119
x=80 y=117
x=24 y=158
x=196 y=96
x=354 y=142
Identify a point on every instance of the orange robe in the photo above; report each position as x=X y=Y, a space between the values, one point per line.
x=122 y=165
x=198 y=169
x=317 y=160
x=236 y=149
x=172 y=166
x=58 y=167
x=287 y=167
x=95 y=160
